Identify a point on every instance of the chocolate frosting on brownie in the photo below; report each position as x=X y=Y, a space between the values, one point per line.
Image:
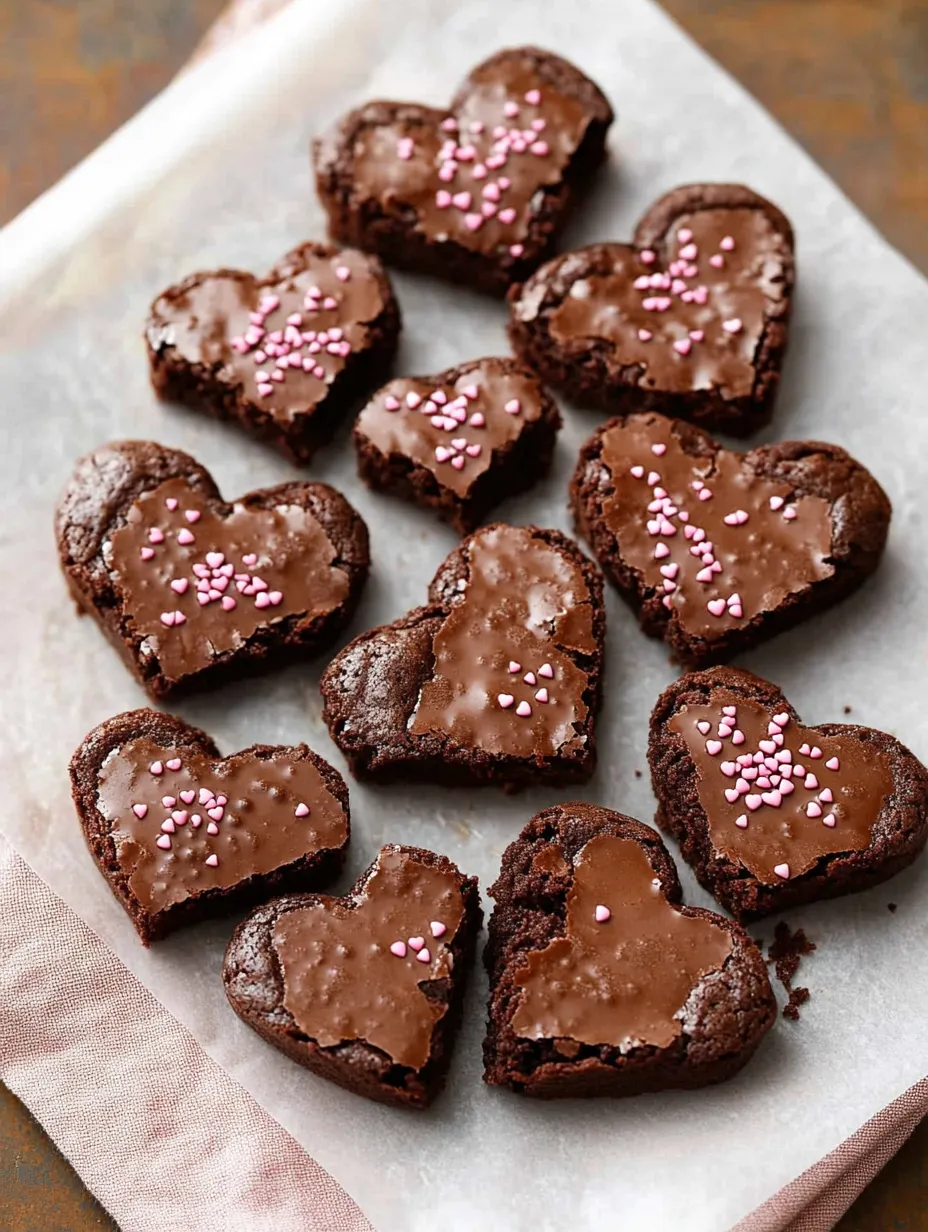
x=184 y=822
x=471 y=174
x=778 y=796
x=505 y=676
x=692 y=315
x=453 y=429
x=356 y=970
x=283 y=339
x=629 y=960
x=199 y=583
x=724 y=543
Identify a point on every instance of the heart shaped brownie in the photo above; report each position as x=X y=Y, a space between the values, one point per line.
x=770 y=813
x=182 y=834
x=284 y=356
x=192 y=590
x=364 y=990
x=691 y=319
x=476 y=193
x=497 y=680
x=719 y=550
x=601 y=982
x=461 y=441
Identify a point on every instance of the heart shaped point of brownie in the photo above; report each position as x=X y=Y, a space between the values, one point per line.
x=770 y=812
x=283 y=355
x=366 y=989
x=476 y=193
x=691 y=320
x=718 y=550
x=191 y=588
x=496 y=681
x=180 y=833
x=600 y=981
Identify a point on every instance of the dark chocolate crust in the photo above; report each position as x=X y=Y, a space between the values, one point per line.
x=254 y=986
x=96 y=501
x=860 y=514
x=371 y=688
x=200 y=386
x=585 y=370
x=317 y=869
x=727 y=1014
x=366 y=223
x=899 y=833
x=516 y=465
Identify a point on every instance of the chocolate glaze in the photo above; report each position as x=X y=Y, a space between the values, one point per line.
x=771 y=555
x=747 y=288
x=433 y=434
x=413 y=182
x=341 y=981
x=201 y=317
x=780 y=833
x=293 y=557
x=623 y=982
x=258 y=830
x=524 y=603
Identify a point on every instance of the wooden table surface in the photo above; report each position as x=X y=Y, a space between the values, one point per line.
x=849 y=79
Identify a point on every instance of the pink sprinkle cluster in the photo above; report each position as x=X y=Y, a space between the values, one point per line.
x=450 y=416
x=472 y=156
x=212 y=575
x=766 y=776
x=666 y=519
x=292 y=346
x=524 y=708
x=681 y=282
x=417 y=944
x=177 y=816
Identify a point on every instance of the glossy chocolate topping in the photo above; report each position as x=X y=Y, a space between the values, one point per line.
x=453 y=429
x=343 y=982
x=471 y=175
x=506 y=676
x=691 y=315
x=623 y=980
x=779 y=796
x=197 y=582
x=183 y=823
x=246 y=329
x=721 y=542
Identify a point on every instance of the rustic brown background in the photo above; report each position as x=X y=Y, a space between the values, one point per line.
x=849 y=78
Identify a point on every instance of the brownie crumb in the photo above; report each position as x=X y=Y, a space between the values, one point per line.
x=893 y=907
x=786 y=951
x=847 y=710
x=637 y=774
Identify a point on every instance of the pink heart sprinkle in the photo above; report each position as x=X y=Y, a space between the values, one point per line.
x=776 y=502
x=146 y=553
x=753 y=802
x=164 y=842
x=301 y=810
x=399 y=949
x=477 y=420
x=703 y=726
x=188 y=797
x=156 y=768
x=423 y=956
x=192 y=515
x=713 y=747
x=638 y=471
x=829 y=820
x=658 y=450
x=140 y=810
x=342 y=273
x=212 y=860
x=167 y=618
x=458 y=462
x=533 y=97
x=732 y=794
x=168 y=801
x=661 y=551
x=815 y=752
x=228 y=603
x=529 y=677
x=212 y=828
x=437 y=929
x=184 y=536
x=416 y=943
x=473 y=451
x=507 y=216
x=832 y=763
x=781 y=870
x=767 y=746
x=523 y=710
x=716 y=606
x=542 y=696
x=826 y=796
x=813 y=809
x=804 y=750
x=155 y=535
x=262 y=599
x=179 y=585
x=215 y=813
x=742 y=822
x=547 y=671
x=732 y=326
x=171 y=503
x=505 y=700
x=601 y=914
x=773 y=798
x=811 y=782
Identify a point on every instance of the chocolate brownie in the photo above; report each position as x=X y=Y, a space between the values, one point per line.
x=716 y=550
x=690 y=319
x=284 y=356
x=192 y=590
x=182 y=834
x=364 y=990
x=769 y=813
x=601 y=982
x=476 y=193
x=459 y=442
x=496 y=680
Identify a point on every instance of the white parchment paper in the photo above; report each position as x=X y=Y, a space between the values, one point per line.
x=216 y=172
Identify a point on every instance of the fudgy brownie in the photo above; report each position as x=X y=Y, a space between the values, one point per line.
x=690 y=319
x=769 y=813
x=715 y=550
x=284 y=356
x=601 y=982
x=496 y=681
x=192 y=590
x=459 y=442
x=182 y=834
x=476 y=193
x=364 y=990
